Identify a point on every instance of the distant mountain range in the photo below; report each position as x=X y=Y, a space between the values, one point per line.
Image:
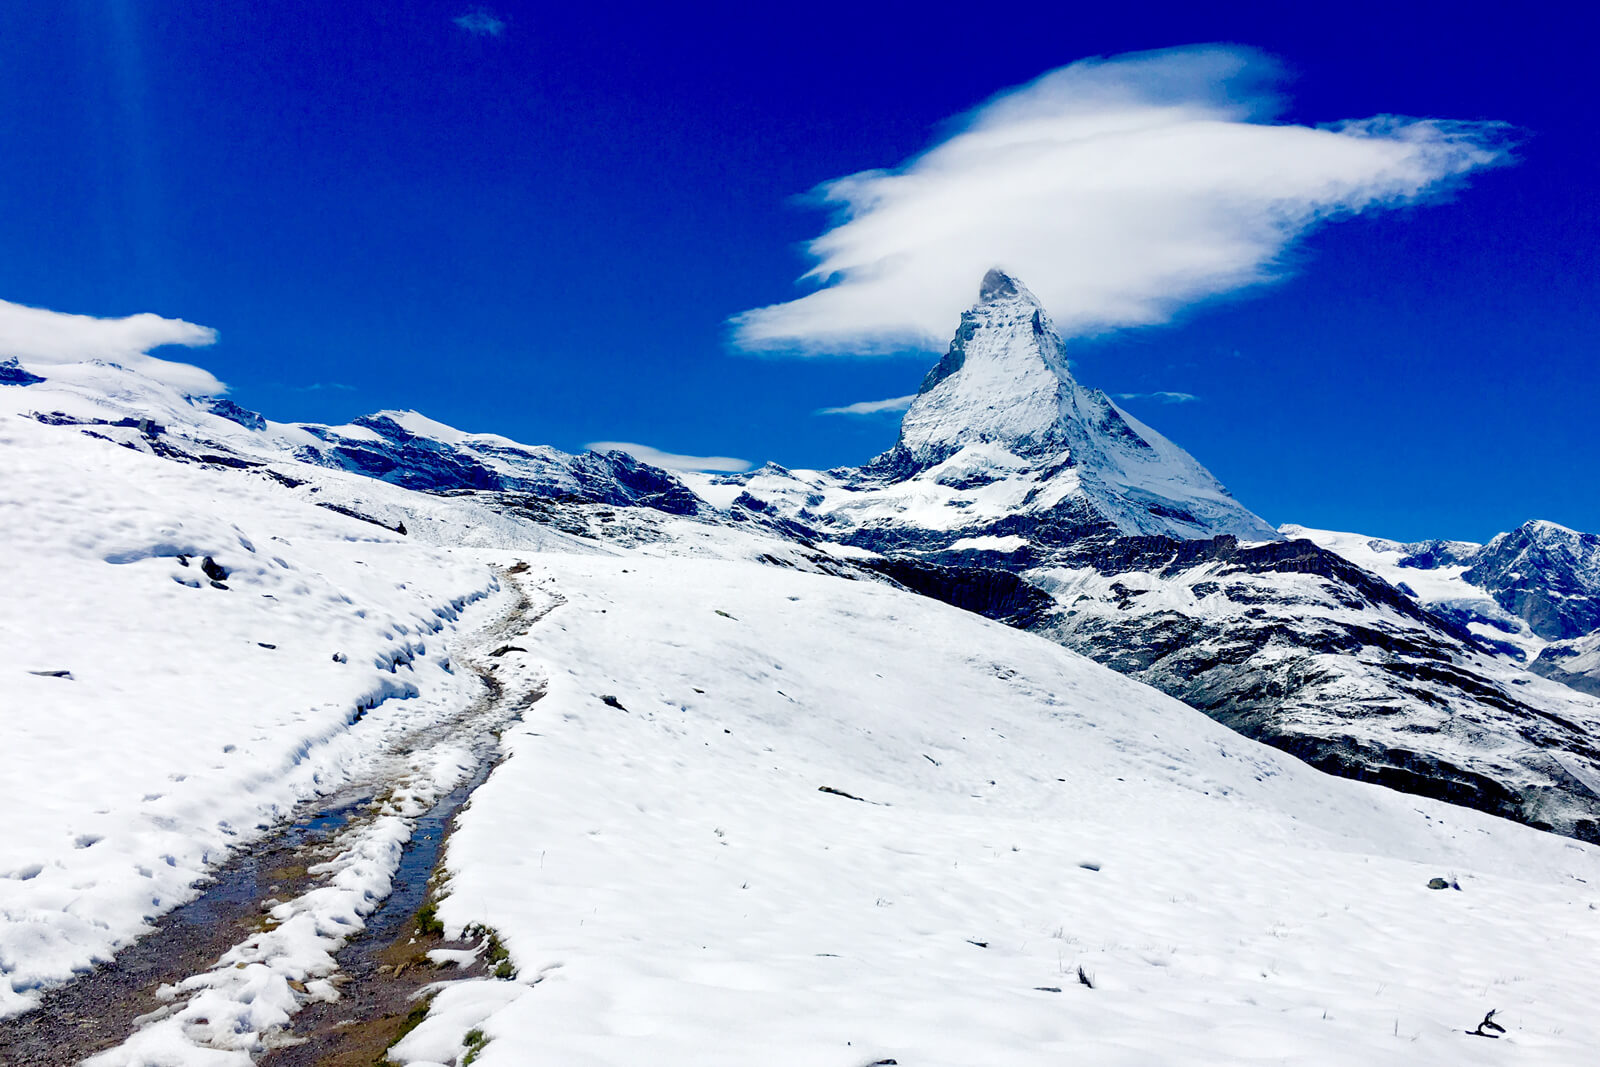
x=1463 y=672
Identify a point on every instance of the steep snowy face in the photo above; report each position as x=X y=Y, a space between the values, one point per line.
x=1004 y=380
x=1004 y=390
x=1546 y=574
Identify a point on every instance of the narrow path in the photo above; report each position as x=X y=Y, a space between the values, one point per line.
x=249 y=926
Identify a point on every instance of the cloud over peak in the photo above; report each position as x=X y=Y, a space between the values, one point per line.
x=1119 y=189
x=871 y=407
x=672 y=461
x=40 y=337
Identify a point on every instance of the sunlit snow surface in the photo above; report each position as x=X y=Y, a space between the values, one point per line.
x=675 y=889
x=194 y=716
x=672 y=884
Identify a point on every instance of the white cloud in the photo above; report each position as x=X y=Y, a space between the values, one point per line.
x=1162 y=396
x=870 y=407
x=481 y=22
x=39 y=337
x=671 y=460
x=1119 y=190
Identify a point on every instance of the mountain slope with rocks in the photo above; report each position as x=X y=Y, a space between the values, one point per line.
x=1321 y=645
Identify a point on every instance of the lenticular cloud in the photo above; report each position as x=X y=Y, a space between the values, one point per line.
x=1119 y=189
x=41 y=337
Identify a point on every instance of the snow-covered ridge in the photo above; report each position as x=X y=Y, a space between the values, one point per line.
x=1525 y=588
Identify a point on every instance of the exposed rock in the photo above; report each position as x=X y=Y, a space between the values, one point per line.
x=13 y=373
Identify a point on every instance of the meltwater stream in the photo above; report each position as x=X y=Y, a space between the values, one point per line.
x=98 y=1010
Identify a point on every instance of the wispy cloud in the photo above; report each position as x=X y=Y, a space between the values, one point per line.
x=318 y=387
x=1120 y=190
x=1161 y=396
x=870 y=407
x=40 y=337
x=672 y=461
x=481 y=22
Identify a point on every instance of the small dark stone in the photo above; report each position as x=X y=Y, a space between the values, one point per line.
x=611 y=701
x=213 y=570
x=263 y=644
x=1438 y=883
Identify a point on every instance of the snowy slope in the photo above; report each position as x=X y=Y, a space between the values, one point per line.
x=1537 y=583
x=675 y=888
x=671 y=878
x=1433 y=573
x=1575 y=663
x=230 y=650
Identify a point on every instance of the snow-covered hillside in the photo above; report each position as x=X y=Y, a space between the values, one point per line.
x=773 y=806
x=1398 y=669
x=186 y=653
x=670 y=856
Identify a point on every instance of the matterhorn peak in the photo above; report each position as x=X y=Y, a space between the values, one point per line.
x=998 y=285
x=1003 y=391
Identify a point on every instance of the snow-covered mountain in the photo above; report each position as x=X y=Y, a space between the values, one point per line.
x=1003 y=447
x=758 y=805
x=1131 y=553
x=1532 y=593
x=1017 y=492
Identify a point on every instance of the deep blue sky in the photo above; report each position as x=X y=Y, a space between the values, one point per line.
x=541 y=233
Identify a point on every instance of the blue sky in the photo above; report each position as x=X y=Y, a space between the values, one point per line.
x=539 y=220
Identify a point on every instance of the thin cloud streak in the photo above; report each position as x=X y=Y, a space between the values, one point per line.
x=38 y=337
x=1120 y=190
x=672 y=461
x=870 y=407
x=1163 y=396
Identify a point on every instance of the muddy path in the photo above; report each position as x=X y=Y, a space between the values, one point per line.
x=380 y=968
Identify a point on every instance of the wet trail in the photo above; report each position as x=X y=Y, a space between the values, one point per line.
x=98 y=1010
x=379 y=967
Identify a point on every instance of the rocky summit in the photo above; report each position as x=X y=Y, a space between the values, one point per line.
x=1003 y=425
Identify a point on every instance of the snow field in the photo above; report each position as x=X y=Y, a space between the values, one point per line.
x=675 y=889
x=194 y=716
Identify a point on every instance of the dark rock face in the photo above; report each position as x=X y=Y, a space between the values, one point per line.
x=1294 y=646
x=427 y=464
x=1545 y=574
x=12 y=373
x=994 y=594
x=227 y=409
